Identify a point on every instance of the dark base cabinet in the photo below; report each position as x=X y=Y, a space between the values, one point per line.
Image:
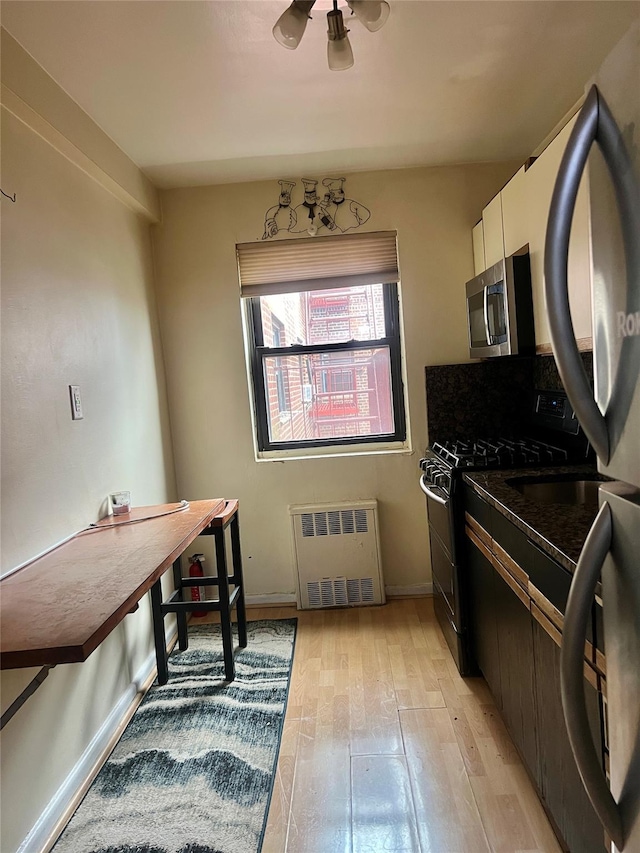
x=484 y=626
x=515 y=639
x=562 y=789
x=520 y=660
x=504 y=644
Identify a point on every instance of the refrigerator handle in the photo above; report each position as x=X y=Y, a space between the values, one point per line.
x=577 y=615
x=594 y=124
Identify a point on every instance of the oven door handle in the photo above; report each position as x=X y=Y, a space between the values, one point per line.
x=434 y=496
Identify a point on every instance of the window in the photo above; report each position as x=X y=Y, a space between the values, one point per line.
x=278 y=336
x=325 y=360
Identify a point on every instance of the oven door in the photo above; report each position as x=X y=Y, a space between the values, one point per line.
x=444 y=570
x=441 y=538
x=438 y=511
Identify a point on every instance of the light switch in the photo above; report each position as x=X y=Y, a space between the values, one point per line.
x=76 y=403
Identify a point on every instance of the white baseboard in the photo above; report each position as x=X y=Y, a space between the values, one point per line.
x=414 y=590
x=54 y=818
x=270 y=600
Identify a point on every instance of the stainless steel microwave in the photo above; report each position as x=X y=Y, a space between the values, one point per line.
x=500 y=309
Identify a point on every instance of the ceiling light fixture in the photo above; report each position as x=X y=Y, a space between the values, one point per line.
x=339 y=53
x=372 y=13
x=290 y=27
x=291 y=24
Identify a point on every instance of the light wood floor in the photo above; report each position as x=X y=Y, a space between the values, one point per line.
x=386 y=748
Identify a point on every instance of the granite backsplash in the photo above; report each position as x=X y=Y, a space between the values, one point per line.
x=488 y=398
x=545 y=371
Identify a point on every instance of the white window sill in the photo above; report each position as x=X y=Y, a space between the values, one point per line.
x=397 y=448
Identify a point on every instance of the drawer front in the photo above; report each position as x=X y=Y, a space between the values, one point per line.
x=512 y=540
x=444 y=574
x=550 y=578
x=478 y=508
x=553 y=582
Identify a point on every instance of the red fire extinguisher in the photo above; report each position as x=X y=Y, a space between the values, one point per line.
x=196 y=571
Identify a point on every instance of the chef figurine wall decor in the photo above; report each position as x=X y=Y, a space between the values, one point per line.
x=333 y=213
x=346 y=213
x=306 y=213
x=280 y=217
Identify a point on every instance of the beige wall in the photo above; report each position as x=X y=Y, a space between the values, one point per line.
x=77 y=308
x=28 y=91
x=433 y=211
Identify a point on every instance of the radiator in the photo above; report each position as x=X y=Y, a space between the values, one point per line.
x=337 y=554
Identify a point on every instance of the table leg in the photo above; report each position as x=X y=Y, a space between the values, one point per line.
x=241 y=609
x=181 y=618
x=158 y=633
x=225 y=611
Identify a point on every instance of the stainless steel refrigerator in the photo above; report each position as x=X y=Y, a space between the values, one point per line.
x=606 y=141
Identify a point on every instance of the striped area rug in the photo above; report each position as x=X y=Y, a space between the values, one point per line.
x=193 y=771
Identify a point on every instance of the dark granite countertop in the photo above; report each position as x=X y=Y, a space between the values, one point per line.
x=559 y=529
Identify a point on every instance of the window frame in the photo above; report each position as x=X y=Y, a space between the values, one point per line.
x=392 y=340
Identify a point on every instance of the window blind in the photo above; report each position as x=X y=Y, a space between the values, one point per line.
x=316 y=263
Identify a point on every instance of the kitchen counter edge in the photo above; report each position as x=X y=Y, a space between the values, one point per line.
x=558 y=529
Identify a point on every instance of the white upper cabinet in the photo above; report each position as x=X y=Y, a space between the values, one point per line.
x=479 y=264
x=515 y=213
x=492 y=229
x=518 y=215
x=540 y=180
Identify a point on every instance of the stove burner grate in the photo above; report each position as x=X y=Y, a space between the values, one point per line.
x=499 y=453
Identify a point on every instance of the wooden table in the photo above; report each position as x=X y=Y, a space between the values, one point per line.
x=59 y=608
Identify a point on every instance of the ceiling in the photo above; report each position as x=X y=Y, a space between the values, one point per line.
x=200 y=92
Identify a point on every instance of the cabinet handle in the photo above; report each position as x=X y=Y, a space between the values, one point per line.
x=574 y=631
x=594 y=124
x=478 y=529
x=480 y=545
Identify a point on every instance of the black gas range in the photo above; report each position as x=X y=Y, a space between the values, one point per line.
x=474 y=455
x=551 y=436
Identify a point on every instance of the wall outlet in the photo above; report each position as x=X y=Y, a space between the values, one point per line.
x=76 y=403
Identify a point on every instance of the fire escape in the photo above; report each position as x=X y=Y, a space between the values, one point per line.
x=345 y=397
